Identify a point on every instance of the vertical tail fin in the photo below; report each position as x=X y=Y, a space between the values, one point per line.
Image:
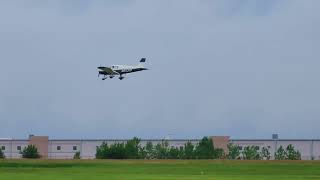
x=142 y=61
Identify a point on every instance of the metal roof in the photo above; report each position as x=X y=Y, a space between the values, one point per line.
x=164 y=139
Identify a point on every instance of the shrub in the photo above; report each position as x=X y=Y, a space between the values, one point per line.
x=265 y=154
x=149 y=150
x=251 y=153
x=292 y=154
x=205 y=149
x=102 y=151
x=234 y=151
x=188 y=151
x=31 y=152
x=77 y=155
x=2 y=156
x=219 y=153
x=287 y=154
x=281 y=154
x=132 y=148
x=174 y=153
x=161 y=150
x=142 y=154
x=117 y=151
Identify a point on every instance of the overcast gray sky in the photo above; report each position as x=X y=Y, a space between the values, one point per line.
x=244 y=68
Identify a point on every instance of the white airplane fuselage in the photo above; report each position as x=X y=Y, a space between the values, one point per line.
x=120 y=70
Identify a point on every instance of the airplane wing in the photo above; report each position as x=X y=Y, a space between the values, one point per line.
x=108 y=70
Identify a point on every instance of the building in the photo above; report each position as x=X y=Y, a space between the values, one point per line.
x=66 y=148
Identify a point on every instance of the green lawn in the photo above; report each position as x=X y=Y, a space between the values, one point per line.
x=157 y=169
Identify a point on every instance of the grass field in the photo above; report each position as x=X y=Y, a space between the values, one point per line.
x=157 y=169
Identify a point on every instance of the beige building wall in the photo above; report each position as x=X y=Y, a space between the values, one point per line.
x=221 y=142
x=41 y=142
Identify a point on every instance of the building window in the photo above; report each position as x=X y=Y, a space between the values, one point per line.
x=75 y=148
x=240 y=147
x=257 y=148
x=58 y=148
x=3 y=148
x=19 y=148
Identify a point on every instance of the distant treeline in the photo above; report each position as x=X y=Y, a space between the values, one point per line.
x=205 y=149
x=133 y=150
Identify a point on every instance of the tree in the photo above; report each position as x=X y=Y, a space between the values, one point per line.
x=265 y=154
x=205 y=149
x=251 y=153
x=188 y=151
x=132 y=148
x=149 y=150
x=174 y=153
x=234 y=151
x=161 y=150
x=181 y=152
x=77 y=155
x=117 y=151
x=219 y=153
x=142 y=154
x=31 y=152
x=292 y=154
x=2 y=156
x=281 y=154
x=102 y=151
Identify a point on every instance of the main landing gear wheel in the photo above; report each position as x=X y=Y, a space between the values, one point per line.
x=104 y=77
x=121 y=77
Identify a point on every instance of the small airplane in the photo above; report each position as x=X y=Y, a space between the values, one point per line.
x=119 y=70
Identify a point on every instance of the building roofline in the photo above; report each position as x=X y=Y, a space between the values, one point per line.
x=123 y=139
x=14 y=139
x=6 y=140
x=274 y=140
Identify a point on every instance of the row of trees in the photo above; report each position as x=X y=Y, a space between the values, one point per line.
x=252 y=153
x=30 y=151
x=133 y=150
x=203 y=150
x=287 y=154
